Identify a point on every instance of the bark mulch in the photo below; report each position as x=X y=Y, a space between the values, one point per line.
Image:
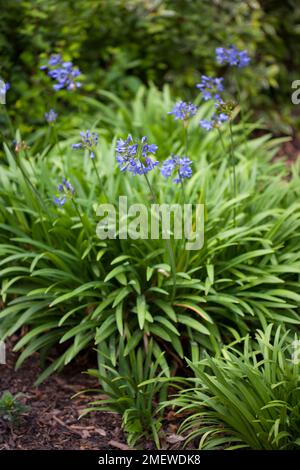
x=290 y=150
x=52 y=419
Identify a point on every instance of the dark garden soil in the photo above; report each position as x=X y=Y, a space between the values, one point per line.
x=290 y=150
x=52 y=419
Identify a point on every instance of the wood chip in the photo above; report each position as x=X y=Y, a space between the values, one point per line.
x=87 y=428
x=100 y=431
x=174 y=438
x=59 y=421
x=119 y=445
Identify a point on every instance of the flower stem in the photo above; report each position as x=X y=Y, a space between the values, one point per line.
x=186 y=146
x=168 y=241
x=100 y=181
x=182 y=189
x=238 y=89
x=221 y=139
x=97 y=173
x=150 y=187
x=78 y=212
x=233 y=170
x=232 y=163
x=225 y=151
x=243 y=121
x=186 y=139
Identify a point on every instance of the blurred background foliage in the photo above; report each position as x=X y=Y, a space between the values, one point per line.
x=119 y=44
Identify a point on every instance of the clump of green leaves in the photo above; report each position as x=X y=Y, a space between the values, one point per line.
x=69 y=287
x=248 y=397
x=126 y=394
x=11 y=408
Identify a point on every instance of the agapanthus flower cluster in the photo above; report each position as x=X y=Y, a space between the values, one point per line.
x=64 y=73
x=135 y=156
x=66 y=191
x=51 y=116
x=232 y=56
x=216 y=120
x=179 y=166
x=222 y=115
x=184 y=111
x=210 y=88
x=89 y=141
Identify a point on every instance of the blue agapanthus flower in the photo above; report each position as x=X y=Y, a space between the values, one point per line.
x=183 y=110
x=232 y=56
x=134 y=156
x=59 y=201
x=55 y=59
x=66 y=191
x=89 y=141
x=51 y=116
x=211 y=87
x=179 y=166
x=216 y=120
x=64 y=73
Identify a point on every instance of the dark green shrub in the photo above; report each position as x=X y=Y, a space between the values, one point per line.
x=119 y=44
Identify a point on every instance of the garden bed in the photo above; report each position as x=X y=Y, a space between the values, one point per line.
x=52 y=421
x=187 y=326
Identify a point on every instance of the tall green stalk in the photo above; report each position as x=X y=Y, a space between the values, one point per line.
x=168 y=241
x=232 y=159
x=100 y=180
x=186 y=146
x=232 y=164
x=184 y=200
x=186 y=138
x=182 y=189
x=239 y=94
x=97 y=173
